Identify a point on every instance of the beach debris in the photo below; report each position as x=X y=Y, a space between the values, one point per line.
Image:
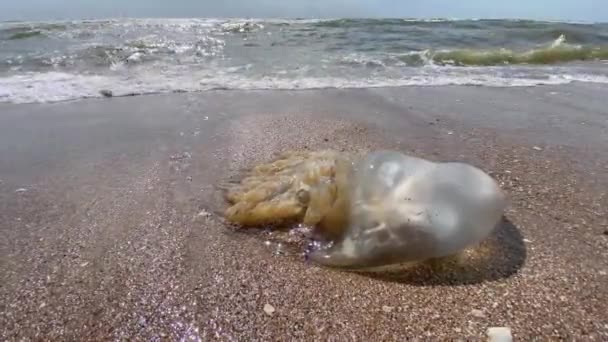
x=84 y=264
x=450 y=133
x=537 y=148
x=21 y=190
x=106 y=93
x=387 y=309
x=269 y=309
x=499 y=334
x=605 y=232
x=185 y=155
x=206 y=118
x=204 y=213
x=478 y=313
x=346 y=198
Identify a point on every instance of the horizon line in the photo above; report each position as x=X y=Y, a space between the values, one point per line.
x=421 y=18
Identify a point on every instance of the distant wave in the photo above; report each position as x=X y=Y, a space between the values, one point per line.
x=522 y=23
x=24 y=35
x=18 y=31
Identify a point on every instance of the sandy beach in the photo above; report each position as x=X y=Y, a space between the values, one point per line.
x=109 y=226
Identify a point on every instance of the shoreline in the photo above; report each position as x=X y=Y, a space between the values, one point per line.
x=114 y=234
x=104 y=93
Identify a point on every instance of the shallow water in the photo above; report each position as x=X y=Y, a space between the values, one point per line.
x=56 y=61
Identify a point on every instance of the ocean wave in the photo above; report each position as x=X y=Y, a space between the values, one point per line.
x=56 y=86
x=20 y=31
x=361 y=60
x=506 y=56
x=455 y=22
x=241 y=27
x=75 y=59
x=203 y=45
x=557 y=52
x=25 y=35
x=149 y=49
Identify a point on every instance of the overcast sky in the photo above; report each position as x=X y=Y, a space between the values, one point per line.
x=576 y=10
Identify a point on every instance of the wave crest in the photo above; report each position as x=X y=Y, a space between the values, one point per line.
x=557 y=52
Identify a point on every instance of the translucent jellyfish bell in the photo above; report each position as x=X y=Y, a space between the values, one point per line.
x=403 y=209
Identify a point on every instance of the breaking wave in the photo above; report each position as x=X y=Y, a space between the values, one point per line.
x=557 y=52
x=58 y=61
x=53 y=86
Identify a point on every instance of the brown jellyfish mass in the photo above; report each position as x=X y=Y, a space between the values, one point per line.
x=298 y=187
x=375 y=210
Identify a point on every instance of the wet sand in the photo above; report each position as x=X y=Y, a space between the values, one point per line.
x=109 y=231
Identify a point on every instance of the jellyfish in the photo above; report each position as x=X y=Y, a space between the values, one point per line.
x=371 y=211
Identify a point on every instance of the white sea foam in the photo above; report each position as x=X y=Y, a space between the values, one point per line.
x=361 y=59
x=559 y=41
x=56 y=86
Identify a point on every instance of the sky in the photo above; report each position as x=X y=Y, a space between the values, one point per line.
x=571 y=10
